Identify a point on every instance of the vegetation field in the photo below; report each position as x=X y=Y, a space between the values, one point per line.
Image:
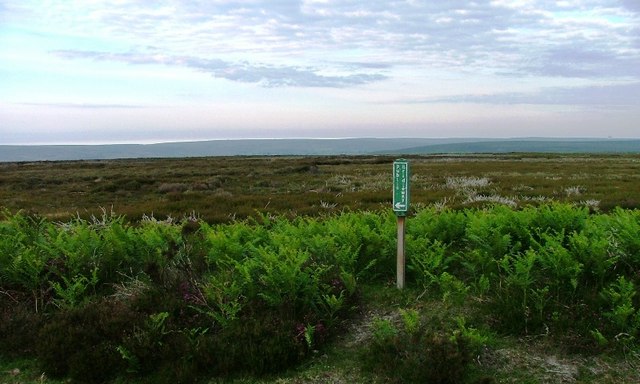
x=281 y=270
x=223 y=189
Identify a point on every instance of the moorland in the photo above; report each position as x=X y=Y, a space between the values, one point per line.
x=220 y=189
x=520 y=268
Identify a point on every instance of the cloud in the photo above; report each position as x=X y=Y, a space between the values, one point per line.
x=632 y=5
x=289 y=76
x=85 y=105
x=491 y=35
x=612 y=96
x=263 y=74
x=584 y=62
x=340 y=44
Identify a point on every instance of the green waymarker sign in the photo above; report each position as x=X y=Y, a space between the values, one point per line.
x=401 y=187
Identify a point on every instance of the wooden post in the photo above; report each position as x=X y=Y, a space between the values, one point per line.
x=400 y=261
x=401 y=193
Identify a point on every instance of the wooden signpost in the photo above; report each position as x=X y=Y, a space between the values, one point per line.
x=401 y=193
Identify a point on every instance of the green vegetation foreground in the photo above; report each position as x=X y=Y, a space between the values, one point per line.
x=163 y=301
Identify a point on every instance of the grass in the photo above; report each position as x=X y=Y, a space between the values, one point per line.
x=22 y=371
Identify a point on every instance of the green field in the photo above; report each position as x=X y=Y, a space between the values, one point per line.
x=520 y=268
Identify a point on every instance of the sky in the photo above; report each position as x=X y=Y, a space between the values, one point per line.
x=120 y=71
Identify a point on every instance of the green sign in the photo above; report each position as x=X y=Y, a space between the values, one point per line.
x=401 y=187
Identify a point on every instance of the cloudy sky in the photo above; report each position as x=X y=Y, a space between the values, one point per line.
x=112 y=71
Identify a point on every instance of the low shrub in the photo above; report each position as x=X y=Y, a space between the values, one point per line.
x=265 y=341
x=414 y=349
x=19 y=325
x=81 y=343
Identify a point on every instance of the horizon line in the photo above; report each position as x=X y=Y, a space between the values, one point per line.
x=179 y=141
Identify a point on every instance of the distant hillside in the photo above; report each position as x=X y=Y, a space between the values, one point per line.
x=213 y=148
x=302 y=147
x=539 y=146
